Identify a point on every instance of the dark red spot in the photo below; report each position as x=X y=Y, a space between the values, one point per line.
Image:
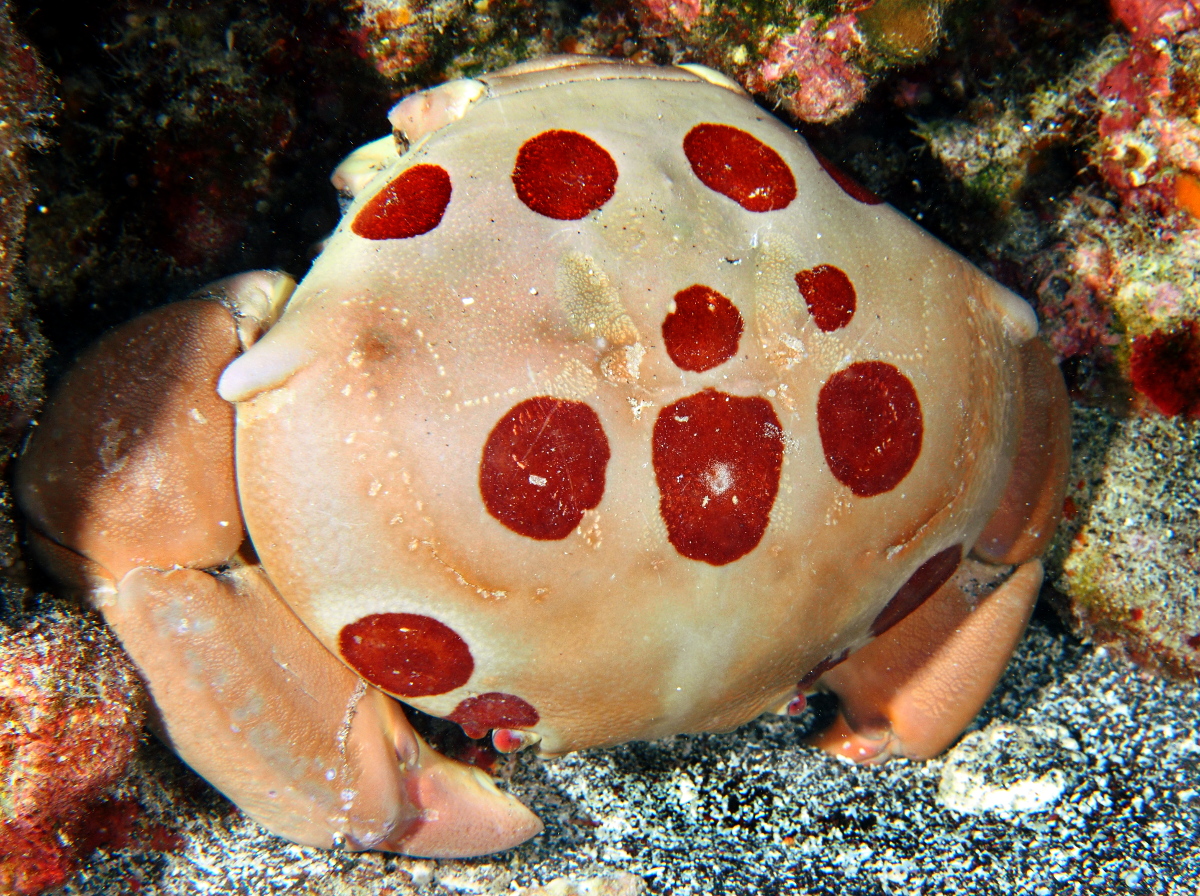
x=410 y=205
x=564 y=175
x=742 y=167
x=543 y=466
x=1193 y=642
x=929 y=577
x=870 y=423
x=717 y=460
x=703 y=330
x=1165 y=367
x=829 y=295
x=821 y=668
x=479 y=715
x=1069 y=508
x=1136 y=614
x=849 y=185
x=407 y=654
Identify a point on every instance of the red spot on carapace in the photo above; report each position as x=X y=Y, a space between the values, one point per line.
x=717 y=460
x=929 y=577
x=479 y=715
x=564 y=175
x=1165 y=367
x=1136 y=614
x=740 y=166
x=703 y=330
x=407 y=654
x=829 y=294
x=543 y=466
x=849 y=185
x=410 y=205
x=870 y=423
x=821 y=668
x=1193 y=642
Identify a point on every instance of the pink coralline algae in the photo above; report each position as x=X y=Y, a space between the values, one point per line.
x=1149 y=138
x=1071 y=280
x=1114 y=274
x=1151 y=19
x=68 y=729
x=664 y=16
x=814 y=62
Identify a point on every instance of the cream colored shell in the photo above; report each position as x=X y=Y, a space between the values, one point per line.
x=363 y=413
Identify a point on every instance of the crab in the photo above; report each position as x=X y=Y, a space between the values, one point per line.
x=609 y=411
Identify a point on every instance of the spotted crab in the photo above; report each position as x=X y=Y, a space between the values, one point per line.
x=609 y=411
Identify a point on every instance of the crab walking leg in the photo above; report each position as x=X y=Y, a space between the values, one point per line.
x=912 y=690
x=128 y=479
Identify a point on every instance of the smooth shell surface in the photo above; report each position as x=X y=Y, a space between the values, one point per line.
x=608 y=412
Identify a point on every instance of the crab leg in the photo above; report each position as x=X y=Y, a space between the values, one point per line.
x=140 y=513
x=912 y=690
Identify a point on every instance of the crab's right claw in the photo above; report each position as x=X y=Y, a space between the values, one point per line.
x=128 y=485
x=255 y=704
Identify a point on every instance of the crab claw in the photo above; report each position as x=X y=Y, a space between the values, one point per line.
x=913 y=690
x=128 y=484
x=256 y=705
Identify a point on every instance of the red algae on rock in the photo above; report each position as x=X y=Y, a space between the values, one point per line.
x=1165 y=367
x=1150 y=19
x=1109 y=253
x=71 y=712
x=1117 y=281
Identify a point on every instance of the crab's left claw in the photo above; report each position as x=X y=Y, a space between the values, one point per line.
x=128 y=485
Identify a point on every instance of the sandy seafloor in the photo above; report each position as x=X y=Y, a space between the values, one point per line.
x=758 y=812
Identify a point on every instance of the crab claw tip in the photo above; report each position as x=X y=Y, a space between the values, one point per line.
x=463 y=812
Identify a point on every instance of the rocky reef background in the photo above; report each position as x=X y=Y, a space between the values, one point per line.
x=148 y=148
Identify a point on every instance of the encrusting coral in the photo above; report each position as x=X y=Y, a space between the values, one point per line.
x=69 y=723
x=815 y=61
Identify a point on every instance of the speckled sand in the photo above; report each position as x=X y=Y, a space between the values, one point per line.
x=756 y=812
